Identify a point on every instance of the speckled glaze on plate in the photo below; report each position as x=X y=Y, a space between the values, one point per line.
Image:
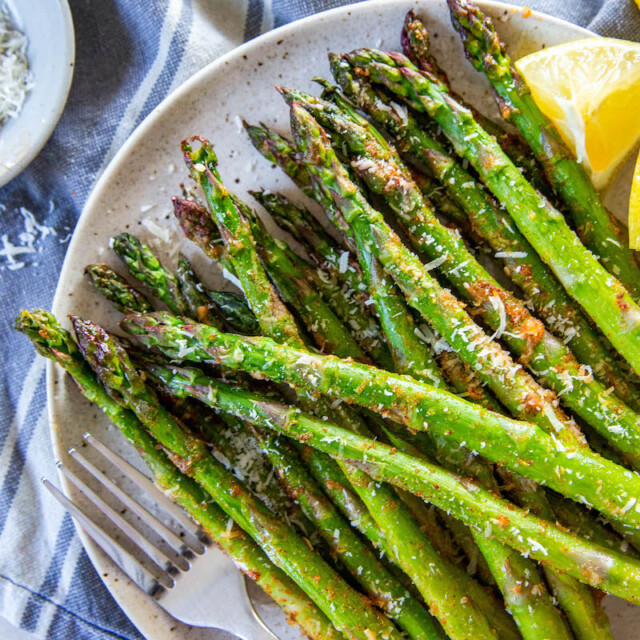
x=148 y=169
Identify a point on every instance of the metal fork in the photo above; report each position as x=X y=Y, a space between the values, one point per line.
x=197 y=584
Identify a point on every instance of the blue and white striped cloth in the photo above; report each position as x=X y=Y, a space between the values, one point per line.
x=129 y=56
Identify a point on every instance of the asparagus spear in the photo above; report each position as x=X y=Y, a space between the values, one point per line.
x=52 y=341
x=582 y=525
x=336 y=273
x=590 y=563
x=291 y=276
x=144 y=266
x=522 y=263
x=411 y=549
x=288 y=159
x=532 y=613
x=276 y=149
x=199 y=227
x=277 y=451
x=530 y=607
x=234 y=309
x=382 y=293
x=519 y=580
x=395 y=318
x=384 y=173
x=355 y=617
x=196 y=300
x=239 y=246
x=416 y=46
x=355 y=555
x=601 y=295
x=338 y=488
x=337 y=538
x=390 y=307
x=596 y=226
x=571 y=469
x=225 y=438
x=117 y=290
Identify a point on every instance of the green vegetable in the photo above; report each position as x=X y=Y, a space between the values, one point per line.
x=411 y=550
x=384 y=173
x=541 y=540
x=601 y=295
x=354 y=616
x=116 y=289
x=596 y=226
x=522 y=263
x=52 y=341
x=145 y=267
x=570 y=468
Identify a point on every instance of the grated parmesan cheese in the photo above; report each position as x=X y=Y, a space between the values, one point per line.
x=511 y=254
x=29 y=240
x=401 y=111
x=15 y=78
x=232 y=278
x=434 y=264
x=153 y=227
x=498 y=305
x=343 y=262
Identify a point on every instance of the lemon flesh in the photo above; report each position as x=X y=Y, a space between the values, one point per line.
x=590 y=90
x=634 y=209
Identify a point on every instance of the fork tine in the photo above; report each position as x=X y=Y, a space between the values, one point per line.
x=176 y=543
x=149 y=488
x=158 y=556
x=139 y=574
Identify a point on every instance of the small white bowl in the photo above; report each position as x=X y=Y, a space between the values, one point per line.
x=51 y=53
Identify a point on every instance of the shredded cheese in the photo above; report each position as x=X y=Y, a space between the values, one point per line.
x=343 y=262
x=511 y=254
x=15 y=79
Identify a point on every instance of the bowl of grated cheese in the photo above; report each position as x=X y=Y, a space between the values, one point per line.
x=37 y=52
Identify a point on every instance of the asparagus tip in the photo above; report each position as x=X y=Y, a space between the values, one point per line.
x=201 y=158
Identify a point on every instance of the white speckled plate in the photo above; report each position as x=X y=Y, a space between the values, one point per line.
x=148 y=170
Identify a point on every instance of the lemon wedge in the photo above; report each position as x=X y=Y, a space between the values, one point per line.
x=634 y=209
x=590 y=90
